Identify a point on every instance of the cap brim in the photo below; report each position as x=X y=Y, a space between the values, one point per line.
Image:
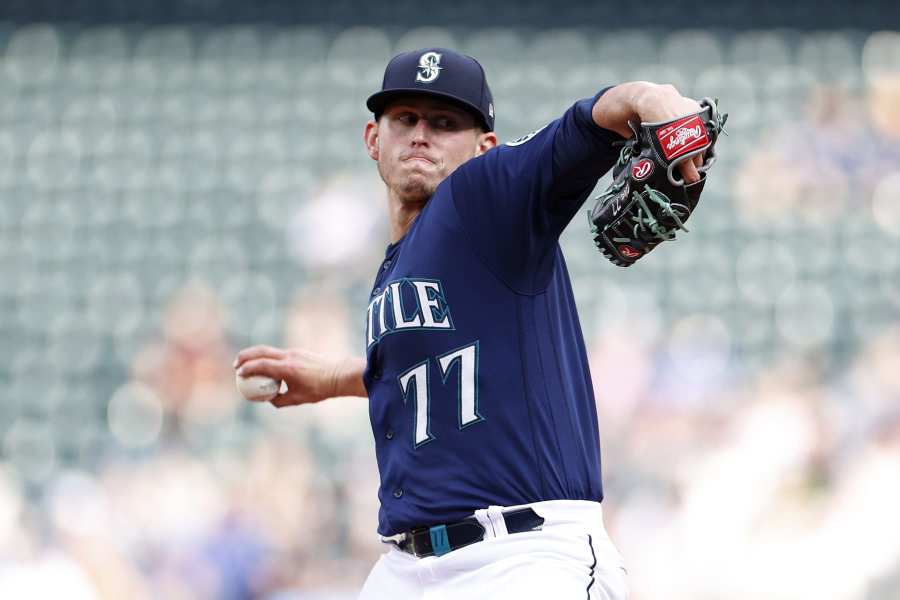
x=379 y=100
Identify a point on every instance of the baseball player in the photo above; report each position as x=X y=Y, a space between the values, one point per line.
x=479 y=391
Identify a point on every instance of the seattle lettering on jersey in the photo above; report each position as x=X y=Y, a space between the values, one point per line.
x=407 y=305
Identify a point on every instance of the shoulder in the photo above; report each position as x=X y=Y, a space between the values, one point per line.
x=514 y=153
x=525 y=138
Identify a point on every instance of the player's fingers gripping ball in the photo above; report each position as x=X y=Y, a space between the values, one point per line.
x=648 y=200
x=258 y=388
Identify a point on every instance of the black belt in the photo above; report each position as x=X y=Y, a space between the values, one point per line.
x=441 y=539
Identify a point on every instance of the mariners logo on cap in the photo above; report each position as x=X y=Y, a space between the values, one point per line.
x=429 y=67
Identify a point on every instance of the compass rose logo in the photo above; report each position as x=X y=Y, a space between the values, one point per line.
x=429 y=67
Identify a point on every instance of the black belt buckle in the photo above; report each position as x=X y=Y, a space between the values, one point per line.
x=438 y=540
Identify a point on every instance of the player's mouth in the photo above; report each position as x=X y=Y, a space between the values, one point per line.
x=417 y=158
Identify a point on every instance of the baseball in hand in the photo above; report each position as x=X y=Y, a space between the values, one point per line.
x=258 y=388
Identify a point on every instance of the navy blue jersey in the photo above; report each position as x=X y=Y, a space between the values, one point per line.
x=478 y=380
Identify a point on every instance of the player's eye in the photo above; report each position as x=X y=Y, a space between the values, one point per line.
x=443 y=123
x=408 y=118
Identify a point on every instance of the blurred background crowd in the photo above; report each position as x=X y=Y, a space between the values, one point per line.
x=172 y=191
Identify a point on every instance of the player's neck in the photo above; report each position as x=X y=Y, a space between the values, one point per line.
x=402 y=214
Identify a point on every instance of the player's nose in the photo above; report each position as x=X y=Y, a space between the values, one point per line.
x=420 y=132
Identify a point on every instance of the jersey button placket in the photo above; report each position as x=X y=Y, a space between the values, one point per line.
x=389 y=435
x=398 y=493
x=376 y=370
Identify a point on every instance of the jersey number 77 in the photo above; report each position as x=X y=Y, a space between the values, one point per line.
x=415 y=386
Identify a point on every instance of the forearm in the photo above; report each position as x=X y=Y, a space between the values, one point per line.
x=621 y=104
x=310 y=376
x=348 y=379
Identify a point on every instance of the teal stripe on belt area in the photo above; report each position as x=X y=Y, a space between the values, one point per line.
x=440 y=543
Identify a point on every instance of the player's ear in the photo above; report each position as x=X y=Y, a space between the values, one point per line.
x=486 y=141
x=370 y=137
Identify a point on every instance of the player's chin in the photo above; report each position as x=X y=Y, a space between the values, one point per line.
x=422 y=178
x=417 y=189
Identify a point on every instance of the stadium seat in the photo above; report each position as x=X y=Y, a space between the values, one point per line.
x=33 y=56
x=691 y=50
x=627 y=49
x=423 y=37
x=760 y=51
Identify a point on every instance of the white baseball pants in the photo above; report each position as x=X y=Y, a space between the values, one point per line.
x=571 y=557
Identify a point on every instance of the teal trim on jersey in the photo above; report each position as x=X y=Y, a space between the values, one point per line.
x=440 y=543
x=399 y=309
x=389 y=314
x=438 y=295
x=376 y=317
x=446 y=373
x=415 y=403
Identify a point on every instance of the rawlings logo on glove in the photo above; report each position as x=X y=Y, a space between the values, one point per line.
x=646 y=204
x=674 y=138
x=642 y=169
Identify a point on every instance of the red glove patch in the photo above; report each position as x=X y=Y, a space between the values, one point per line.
x=682 y=136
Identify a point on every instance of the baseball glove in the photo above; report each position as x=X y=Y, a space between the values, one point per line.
x=648 y=202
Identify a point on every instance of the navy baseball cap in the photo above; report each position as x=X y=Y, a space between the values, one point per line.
x=440 y=73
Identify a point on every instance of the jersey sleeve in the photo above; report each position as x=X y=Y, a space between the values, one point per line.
x=515 y=200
